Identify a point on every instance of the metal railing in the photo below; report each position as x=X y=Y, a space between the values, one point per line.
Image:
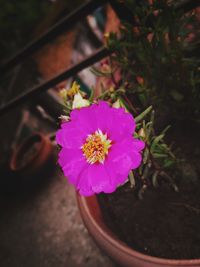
x=55 y=31
x=60 y=27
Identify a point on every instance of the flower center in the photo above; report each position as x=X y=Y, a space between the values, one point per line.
x=96 y=147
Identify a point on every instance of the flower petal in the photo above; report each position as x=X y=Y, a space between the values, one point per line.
x=99 y=179
x=84 y=185
x=138 y=144
x=70 y=136
x=115 y=122
x=72 y=163
x=84 y=119
x=124 y=156
x=116 y=177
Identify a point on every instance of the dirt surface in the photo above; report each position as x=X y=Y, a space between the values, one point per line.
x=165 y=223
x=43 y=228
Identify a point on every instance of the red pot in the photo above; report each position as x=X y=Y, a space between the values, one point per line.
x=115 y=248
x=31 y=155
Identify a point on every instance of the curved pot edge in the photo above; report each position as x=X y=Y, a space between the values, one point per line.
x=87 y=205
x=44 y=141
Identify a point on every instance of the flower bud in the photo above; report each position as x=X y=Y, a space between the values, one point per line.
x=111 y=89
x=106 y=35
x=140 y=80
x=141 y=133
x=79 y=101
x=64 y=118
x=116 y=104
x=119 y=104
x=63 y=94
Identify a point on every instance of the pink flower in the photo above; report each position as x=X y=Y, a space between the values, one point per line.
x=98 y=148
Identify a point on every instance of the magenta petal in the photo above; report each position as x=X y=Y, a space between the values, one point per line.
x=123 y=155
x=117 y=124
x=138 y=144
x=100 y=180
x=84 y=185
x=136 y=160
x=70 y=137
x=85 y=119
x=117 y=177
x=95 y=179
x=72 y=163
x=123 y=124
x=66 y=156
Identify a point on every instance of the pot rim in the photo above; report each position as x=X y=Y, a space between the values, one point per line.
x=19 y=149
x=84 y=205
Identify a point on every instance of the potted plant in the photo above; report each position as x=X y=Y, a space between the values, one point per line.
x=31 y=155
x=135 y=193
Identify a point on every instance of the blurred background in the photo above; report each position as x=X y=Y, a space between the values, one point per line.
x=44 y=46
x=39 y=222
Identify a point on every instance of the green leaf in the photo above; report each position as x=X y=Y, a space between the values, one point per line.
x=145 y=155
x=100 y=73
x=155 y=179
x=166 y=129
x=168 y=163
x=91 y=95
x=131 y=179
x=156 y=140
x=158 y=155
x=143 y=114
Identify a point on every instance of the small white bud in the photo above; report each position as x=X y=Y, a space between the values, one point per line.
x=64 y=118
x=141 y=133
x=117 y=104
x=79 y=101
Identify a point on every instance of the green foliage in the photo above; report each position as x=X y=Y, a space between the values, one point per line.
x=156 y=49
x=158 y=158
x=155 y=68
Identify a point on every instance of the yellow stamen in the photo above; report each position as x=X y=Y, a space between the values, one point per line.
x=96 y=147
x=71 y=92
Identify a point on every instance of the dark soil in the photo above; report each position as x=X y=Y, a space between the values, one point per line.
x=164 y=223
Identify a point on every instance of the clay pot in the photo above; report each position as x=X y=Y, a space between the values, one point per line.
x=31 y=155
x=115 y=248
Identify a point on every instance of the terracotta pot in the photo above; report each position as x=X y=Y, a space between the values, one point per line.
x=31 y=155
x=115 y=248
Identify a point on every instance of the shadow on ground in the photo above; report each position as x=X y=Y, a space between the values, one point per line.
x=40 y=225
